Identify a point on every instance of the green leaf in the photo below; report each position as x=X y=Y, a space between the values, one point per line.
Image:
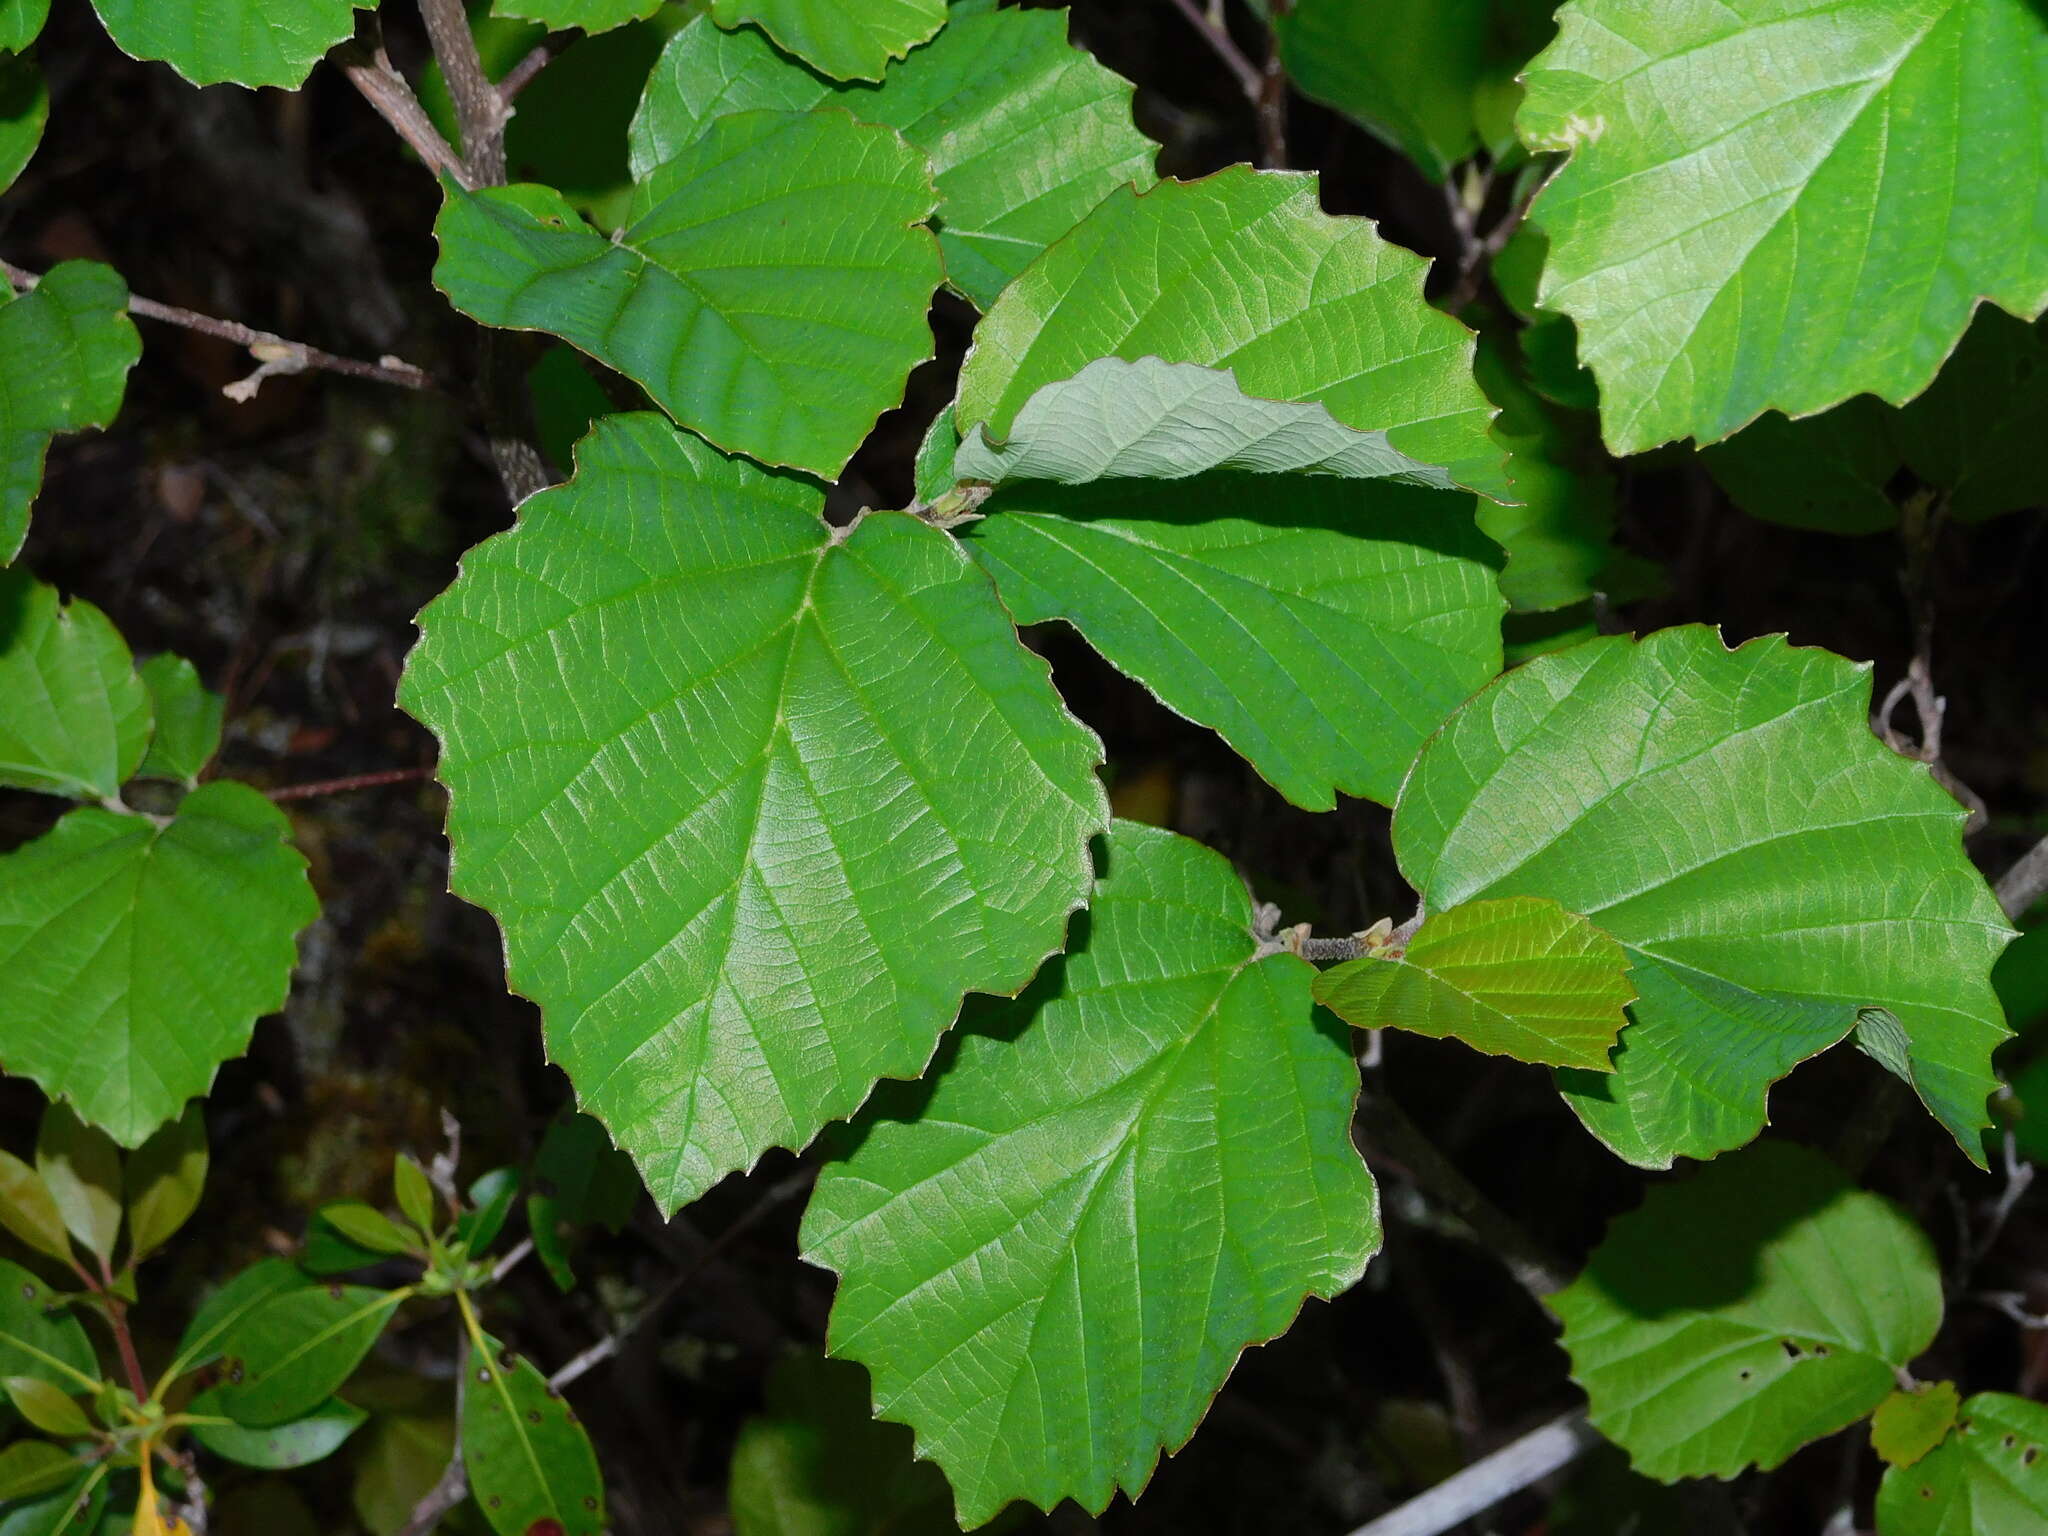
x=1759 y=1305
x=529 y=1460
x=1990 y=1478
x=1324 y=628
x=750 y=866
x=769 y=292
x=169 y=940
x=1974 y=437
x=21 y=23
x=38 y=1337
x=65 y=350
x=29 y=1210
x=1021 y=1263
x=164 y=1179
x=848 y=42
x=1517 y=977
x=1167 y=421
x=188 y=718
x=228 y=1307
x=72 y=1511
x=297 y=1443
x=415 y=1195
x=1911 y=1422
x=1025 y=132
x=1770 y=866
x=577 y=1177
x=285 y=1356
x=589 y=15
x=818 y=1463
x=327 y=1250
x=1743 y=223
x=77 y=718
x=81 y=1168
x=368 y=1228
x=1242 y=271
x=490 y=1199
x=1429 y=77
x=250 y=42
x=32 y=1467
x=24 y=112
x=46 y=1406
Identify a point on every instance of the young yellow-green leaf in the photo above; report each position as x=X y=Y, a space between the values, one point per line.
x=1973 y=437
x=1770 y=865
x=1116 y=1184
x=21 y=23
x=249 y=42
x=368 y=1227
x=32 y=1467
x=77 y=718
x=284 y=1357
x=1323 y=627
x=227 y=1307
x=1913 y=1421
x=819 y=1463
x=1516 y=977
x=65 y=350
x=769 y=290
x=1989 y=1478
x=587 y=15
x=1241 y=271
x=188 y=717
x=47 y=1406
x=415 y=1195
x=530 y=1463
x=279 y=1447
x=24 y=112
x=29 y=1210
x=775 y=797
x=39 y=1337
x=846 y=39
x=135 y=957
x=81 y=1167
x=1433 y=78
x=1757 y=1306
x=1743 y=223
x=163 y=1179
x=1025 y=132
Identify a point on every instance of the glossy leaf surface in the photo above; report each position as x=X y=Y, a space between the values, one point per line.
x=77 y=718
x=136 y=957
x=1771 y=867
x=286 y=1356
x=769 y=289
x=187 y=717
x=250 y=42
x=529 y=1461
x=1517 y=977
x=1761 y=1304
x=1989 y=1478
x=39 y=1337
x=774 y=799
x=847 y=41
x=1743 y=223
x=1118 y=1182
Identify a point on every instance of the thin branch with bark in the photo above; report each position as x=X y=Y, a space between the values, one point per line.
x=2026 y=882
x=371 y=72
x=480 y=111
x=274 y=354
x=1490 y=1479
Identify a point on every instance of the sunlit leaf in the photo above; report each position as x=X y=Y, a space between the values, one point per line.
x=1913 y=1421
x=251 y=42
x=296 y=1443
x=77 y=718
x=164 y=1179
x=286 y=1356
x=775 y=798
x=21 y=22
x=849 y=41
x=188 y=719
x=1989 y=1478
x=29 y=1210
x=81 y=1167
x=1051 y=1259
x=529 y=1460
x=589 y=15
x=1743 y=222
x=24 y=112
x=136 y=955
x=39 y=1337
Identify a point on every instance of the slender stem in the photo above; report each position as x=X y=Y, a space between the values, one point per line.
x=276 y=354
x=522 y=73
x=2022 y=885
x=514 y=1257
x=452 y=1487
x=1250 y=79
x=370 y=71
x=353 y=781
x=479 y=110
x=1271 y=107
x=124 y=1341
x=1490 y=1479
